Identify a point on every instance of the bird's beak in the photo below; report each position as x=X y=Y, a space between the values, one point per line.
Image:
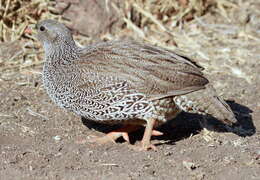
x=28 y=30
x=31 y=31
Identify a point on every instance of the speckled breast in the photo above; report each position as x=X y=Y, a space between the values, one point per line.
x=126 y=107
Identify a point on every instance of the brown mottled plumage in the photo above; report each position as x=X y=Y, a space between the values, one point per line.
x=124 y=82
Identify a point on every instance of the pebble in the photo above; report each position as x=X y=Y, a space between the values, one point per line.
x=56 y=138
x=189 y=165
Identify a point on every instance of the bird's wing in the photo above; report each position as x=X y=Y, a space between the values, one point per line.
x=150 y=70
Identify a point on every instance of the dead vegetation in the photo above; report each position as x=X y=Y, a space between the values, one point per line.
x=152 y=21
x=18 y=49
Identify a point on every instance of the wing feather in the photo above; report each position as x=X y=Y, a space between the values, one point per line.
x=151 y=70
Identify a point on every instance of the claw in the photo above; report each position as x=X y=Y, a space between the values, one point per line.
x=126 y=137
x=156 y=133
x=147 y=147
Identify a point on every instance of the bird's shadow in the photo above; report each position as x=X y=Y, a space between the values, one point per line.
x=187 y=124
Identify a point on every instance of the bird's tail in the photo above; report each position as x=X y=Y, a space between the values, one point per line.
x=206 y=101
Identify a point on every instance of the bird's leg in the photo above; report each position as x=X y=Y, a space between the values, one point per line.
x=114 y=135
x=121 y=132
x=146 y=141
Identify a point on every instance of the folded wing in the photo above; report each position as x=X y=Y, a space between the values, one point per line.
x=153 y=71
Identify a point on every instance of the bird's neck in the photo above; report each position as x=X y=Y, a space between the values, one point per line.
x=63 y=53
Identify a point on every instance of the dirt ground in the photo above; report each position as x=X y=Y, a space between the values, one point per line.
x=38 y=140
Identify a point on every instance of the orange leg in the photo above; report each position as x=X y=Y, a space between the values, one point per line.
x=114 y=135
x=122 y=132
x=146 y=141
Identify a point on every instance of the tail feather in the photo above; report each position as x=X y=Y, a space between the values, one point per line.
x=206 y=101
x=220 y=109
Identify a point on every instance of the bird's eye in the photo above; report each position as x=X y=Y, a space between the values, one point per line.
x=42 y=28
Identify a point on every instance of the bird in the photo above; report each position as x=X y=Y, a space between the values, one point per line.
x=124 y=82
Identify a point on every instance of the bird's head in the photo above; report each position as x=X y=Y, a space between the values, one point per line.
x=53 y=34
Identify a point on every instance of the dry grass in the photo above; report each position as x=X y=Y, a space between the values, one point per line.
x=139 y=16
x=154 y=20
x=15 y=17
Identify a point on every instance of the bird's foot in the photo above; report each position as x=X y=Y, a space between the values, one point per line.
x=140 y=146
x=114 y=135
x=148 y=132
x=156 y=133
x=146 y=147
x=110 y=138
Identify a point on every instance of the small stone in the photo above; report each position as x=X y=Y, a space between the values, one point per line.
x=56 y=138
x=58 y=154
x=30 y=168
x=189 y=165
